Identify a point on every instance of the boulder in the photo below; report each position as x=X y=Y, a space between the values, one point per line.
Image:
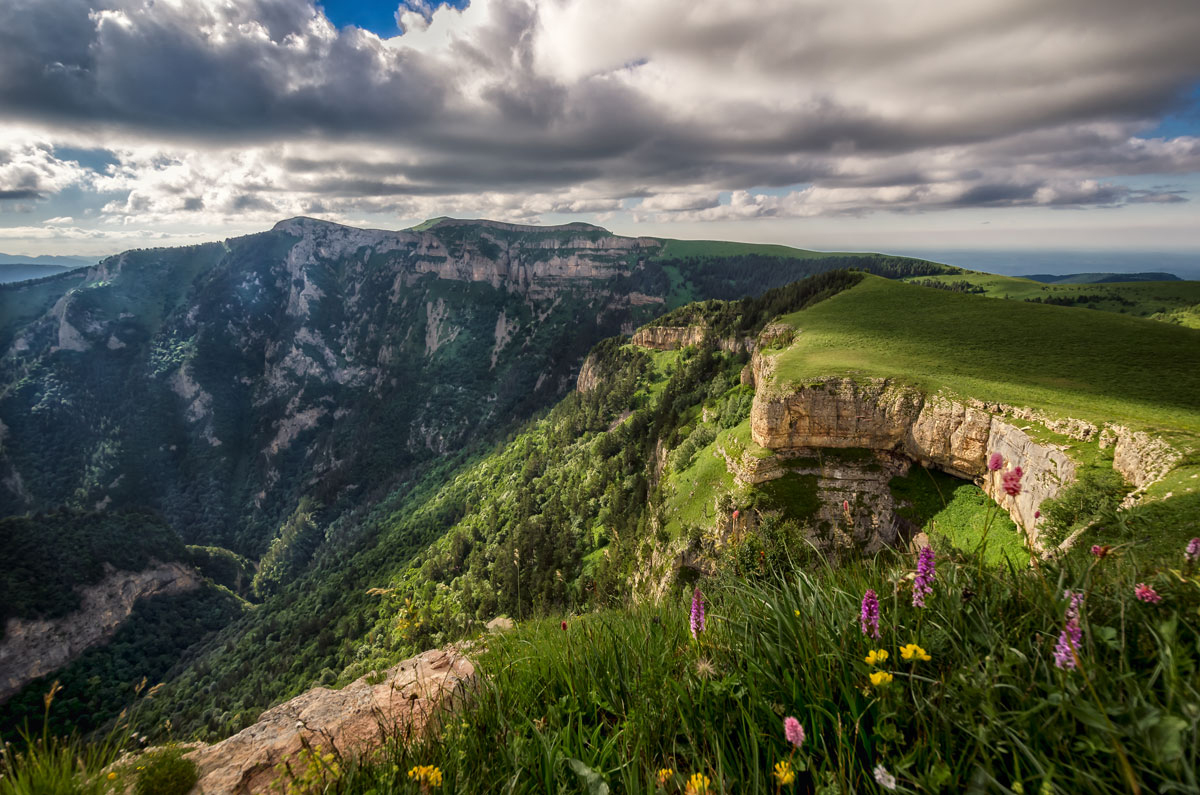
x=352 y=721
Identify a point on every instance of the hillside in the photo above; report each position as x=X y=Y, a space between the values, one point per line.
x=630 y=486
x=220 y=384
x=1175 y=301
x=671 y=466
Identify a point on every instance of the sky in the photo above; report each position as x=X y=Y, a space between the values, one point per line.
x=827 y=124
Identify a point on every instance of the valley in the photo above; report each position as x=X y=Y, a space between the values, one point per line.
x=384 y=441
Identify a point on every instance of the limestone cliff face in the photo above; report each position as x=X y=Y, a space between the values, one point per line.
x=1141 y=458
x=879 y=414
x=668 y=338
x=589 y=375
x=33 y=648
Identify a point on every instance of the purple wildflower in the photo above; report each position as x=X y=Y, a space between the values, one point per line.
x=1074 y=600
x=1147 y=594
x=1192 y=553
x=697 y=613
x=923 y=583
x=1101 y=551
x=793 y=731
x=1011 y=481
x=1068 y=645
x=995 y=461
x=869 y=618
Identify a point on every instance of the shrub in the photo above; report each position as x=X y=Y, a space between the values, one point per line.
x=166 y=772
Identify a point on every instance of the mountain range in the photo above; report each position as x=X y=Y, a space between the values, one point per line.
x=304 y=453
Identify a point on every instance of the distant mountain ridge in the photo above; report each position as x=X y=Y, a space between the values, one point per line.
x=22 y=271
x=223 y=382
x=65 y=260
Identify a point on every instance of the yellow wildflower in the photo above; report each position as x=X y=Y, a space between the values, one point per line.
x=664 y=775
x=877 y=657
x=112 y=776
x=914 y=652
x=797 y=612
x=698 y=784
x=880 y=678
x=784 y=773
x=426 y=775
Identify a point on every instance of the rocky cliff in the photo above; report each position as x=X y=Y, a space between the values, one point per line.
x=954 y=436
x=32 y=648
x=348 y=722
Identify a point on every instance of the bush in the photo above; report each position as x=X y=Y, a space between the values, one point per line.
x=166 y=772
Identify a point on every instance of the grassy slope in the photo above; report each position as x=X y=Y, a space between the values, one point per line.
x=620 y=695
x=1096 y=366
x=1141 y=299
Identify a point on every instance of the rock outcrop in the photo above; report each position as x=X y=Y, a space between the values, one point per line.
x=668 y=338
x=36 y=647
x=589 y=375
x=351 y=721
x=881 y=414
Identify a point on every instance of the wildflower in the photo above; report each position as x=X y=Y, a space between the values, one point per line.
x=697 y=784
x=705 y=669
x=793 y=731
x=876 y=657
x=1011 y=481
x=564 y=626
x=1145 y=593
x=697 y=613
x=995 y=461
x=426 y=775
x=797 y=612
x=1101 y=551
x=923 y=583
x=1037 y=514
x=1074 y=600
x=112 y=776
x=880 y=678
x=884 y=778
x=784 y=773
x=846 y=506
x=736 y=514
x=664 y=775
x=868 y=620
x=1192 y=553
x=1068 y=645
x=914 y=652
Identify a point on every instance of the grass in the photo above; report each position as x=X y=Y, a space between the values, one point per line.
x=956 y=512
x=1071 y=362
x=620 y=695
x=1140 y=299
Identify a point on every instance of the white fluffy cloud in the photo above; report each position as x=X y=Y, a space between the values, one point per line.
x=212 y=111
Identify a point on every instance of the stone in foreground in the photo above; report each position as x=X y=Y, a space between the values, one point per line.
x=355 y=719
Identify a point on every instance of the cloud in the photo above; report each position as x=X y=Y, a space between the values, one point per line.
x=209 y=110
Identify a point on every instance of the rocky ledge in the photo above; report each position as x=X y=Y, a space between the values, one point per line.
x=884 y=415
x=36 y=647
x=352 y=721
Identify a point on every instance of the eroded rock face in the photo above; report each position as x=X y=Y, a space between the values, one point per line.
x=589 y=375
x=879 y=414
x=33 y=648
x=1141 y=458
x=353 y=720
x=668 y=338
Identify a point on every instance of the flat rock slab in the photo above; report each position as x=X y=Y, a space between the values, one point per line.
x=354 y=720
